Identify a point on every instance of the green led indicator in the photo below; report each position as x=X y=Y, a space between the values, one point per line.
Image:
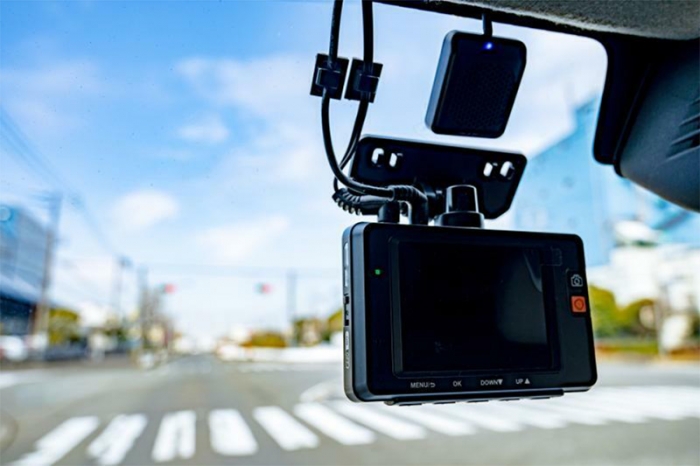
x=377 y=272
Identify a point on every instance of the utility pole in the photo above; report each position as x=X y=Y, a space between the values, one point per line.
x=120 y=263
x=41 y=316
x=144 y=305
x=292 y=276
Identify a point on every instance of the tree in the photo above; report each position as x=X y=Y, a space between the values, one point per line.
x=266 y=339
x=64 y=326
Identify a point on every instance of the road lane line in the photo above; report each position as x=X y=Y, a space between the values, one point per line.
x=432 y=420
x=686 y=399
x=284 y=429
x=610 y=409
x=482 y=416
x=176 y=437
x=230 y=435
x=117 y=439
x=388 y=425
x=645 y=404
x=334 y=425
x=57 y=443
x=575 y=415
x=528 y=415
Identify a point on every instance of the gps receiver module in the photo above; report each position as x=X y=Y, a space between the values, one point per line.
x=441 y=309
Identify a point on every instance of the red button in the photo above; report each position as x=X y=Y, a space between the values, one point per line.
x=578 y=304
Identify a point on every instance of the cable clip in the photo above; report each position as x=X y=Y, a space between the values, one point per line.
x=364 y=80
x=329 y=76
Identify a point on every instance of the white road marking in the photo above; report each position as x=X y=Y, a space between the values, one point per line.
x=575 y=415
x=645 y=403
x=57 y=443
x=176 y=437
x=609 y=409
x=321 y=391
x=334 y=425
x=10 y=379
x=116 y=440
x=230 y=435
x=432 y=420
x=284 y=429
x=380 y=422
x=528 y=414
x=481 y=416
x=684 y=398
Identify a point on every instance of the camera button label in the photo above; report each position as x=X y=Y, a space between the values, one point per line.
x=578 y=304
x=422 y=385
x=576 y=280
x=492 y=382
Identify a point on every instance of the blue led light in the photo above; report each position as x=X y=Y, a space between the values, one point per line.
x=488 y=46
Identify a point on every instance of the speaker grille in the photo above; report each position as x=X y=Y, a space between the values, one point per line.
x=478 y=100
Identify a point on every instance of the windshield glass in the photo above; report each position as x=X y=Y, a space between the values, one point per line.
x=170 y=254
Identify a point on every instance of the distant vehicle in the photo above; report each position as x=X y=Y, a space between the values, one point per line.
x=13 y=349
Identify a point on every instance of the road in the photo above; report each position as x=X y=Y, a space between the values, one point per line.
x=201 y=411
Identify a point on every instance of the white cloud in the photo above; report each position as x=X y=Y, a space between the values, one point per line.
x=237 y=241
x=268 y=87
x=143 y=209
x=44 y=97
x=271 y=92
x=209 y=130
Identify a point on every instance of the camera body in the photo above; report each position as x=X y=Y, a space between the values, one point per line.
x=443 y=314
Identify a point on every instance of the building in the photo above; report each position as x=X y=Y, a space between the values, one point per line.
x=23 y=242
x=565 y=190
x=637 y=245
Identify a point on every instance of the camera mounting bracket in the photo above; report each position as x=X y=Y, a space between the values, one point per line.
x=458 y=181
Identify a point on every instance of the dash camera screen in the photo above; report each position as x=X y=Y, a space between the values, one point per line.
x=469 y=308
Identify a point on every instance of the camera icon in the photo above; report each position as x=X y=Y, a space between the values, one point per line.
x=576 y=281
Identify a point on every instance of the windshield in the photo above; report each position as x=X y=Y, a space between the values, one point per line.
x=170 y=254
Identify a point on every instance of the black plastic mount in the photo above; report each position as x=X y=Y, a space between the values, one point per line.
x=434 y=168
x=462 y=208
x=329 y=75
x=364 y=80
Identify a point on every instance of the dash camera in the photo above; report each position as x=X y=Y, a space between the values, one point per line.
x=440 y=314
x=449 y=312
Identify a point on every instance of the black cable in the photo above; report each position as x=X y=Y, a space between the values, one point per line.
x=409 y=194
x=354 y=138
x=333 y=161
x=368 y=57
x=335 y=30
x=368 y=32
x=488 y=27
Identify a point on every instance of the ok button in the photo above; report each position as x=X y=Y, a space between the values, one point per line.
x=456 y=384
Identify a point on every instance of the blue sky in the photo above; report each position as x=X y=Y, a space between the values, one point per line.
x=189 y=131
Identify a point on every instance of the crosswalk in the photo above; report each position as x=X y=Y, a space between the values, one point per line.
x=309 y=424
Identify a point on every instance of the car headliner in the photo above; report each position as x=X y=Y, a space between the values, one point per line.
x=663 y=19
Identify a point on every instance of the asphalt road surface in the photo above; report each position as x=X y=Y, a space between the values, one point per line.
x=201 y=411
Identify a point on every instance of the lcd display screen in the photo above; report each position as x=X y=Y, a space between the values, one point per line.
x=464 y=308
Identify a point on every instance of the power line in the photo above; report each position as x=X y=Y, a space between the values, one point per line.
x=73 y=269
x=23 y=151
